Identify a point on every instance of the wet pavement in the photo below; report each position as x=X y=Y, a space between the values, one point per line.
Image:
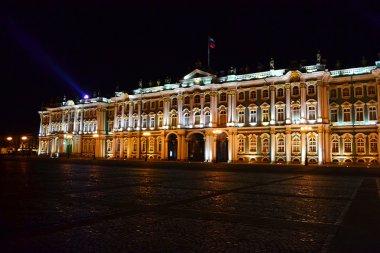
x=49 y=206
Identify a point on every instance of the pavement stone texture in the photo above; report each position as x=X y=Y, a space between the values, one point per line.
x=69 y=207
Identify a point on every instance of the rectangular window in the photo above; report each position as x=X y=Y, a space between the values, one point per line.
x=265 y=146
x=311 y=112
x=241 y=117
x=372 y=113
x=253 y=145
x=241 y=145
x=253 y=116
x=296 y=147
x=151 y=124
x=280 y=145
x=346 y=114
x=280 y=114
x=335 y=146
x=265 y=116
x=359 y=114
x=371 y=90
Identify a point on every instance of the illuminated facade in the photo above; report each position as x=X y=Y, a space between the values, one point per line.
x=276 y=116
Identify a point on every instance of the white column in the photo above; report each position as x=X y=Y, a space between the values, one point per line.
x=229 y=109
x=81 y=121
x=75 y=129
x=123 y=116
x=115 y=118
x=166 y=112
x=214 y=109
x=50 y=126
x=179 y=148
x=233 y=107
x=180 y=109
x=303 y=102
x=326 y=104
x=139 y=115
x=272 y=145
x=327 y=146
x=272 y=105
x=41 y=119
x=63 y=121
x=130 y=115
x=288 y=145
x=231 y=144
x=303 y=146
x=320 y=144
x=288 y=116
x=321 y=102
x=208 y=147
x=202 y=121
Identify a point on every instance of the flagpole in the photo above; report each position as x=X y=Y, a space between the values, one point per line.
x=208 y=53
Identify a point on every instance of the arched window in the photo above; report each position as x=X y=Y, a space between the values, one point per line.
x=241 y=116
x=159 y=145
x=312 y=143
x=311 y=90
x=151 y=144
x=152 y=121
x=222 y=118
x=160 y=121
x=173 y=121
x=161 y=104
x=373 y=145
x=280 y=114
x=207 y=98
x=296 y=144
x=186 y=119
x=335 y=146
x=197 y=118
x=223 y=97
x=265 y=115
x=296 y=113
x=280 y=92
x=360 y=146
x=359 y=91
x=265 y=146
x=174 y=101
x=197 y=99
x=311 y=112
x=241 y=147
x=265 y=94
x=253 y=95
x=280 y=144
x=207 y=118
x=253 y=116
x=347 y=145
x=296 y=91
x=253 y=144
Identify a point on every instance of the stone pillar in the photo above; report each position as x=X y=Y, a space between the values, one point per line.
x=208 y=147
x=179 y=147
x=75 y=128
x=123 y=116
x=81 y=121
x=321 y=100
x=303 y=102
x=214 y=109
x=185 y=149
x=50 y=125
x=41 y=119
x=288 y=145
x=139 y=109
x=233 y=107
x=326 y=103
x=180 y=109
x=320 y=145
x=202 y=121
x=231 y=145
x=378 y=102
x=288 y=115
x=272 y=105
x=272 y=145
x=166 y=112
x=63 y=121
x=303 y=146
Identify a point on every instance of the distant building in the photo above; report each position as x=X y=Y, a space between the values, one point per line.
x=275 y=116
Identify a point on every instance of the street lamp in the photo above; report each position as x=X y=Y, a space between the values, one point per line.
x=95 y=136
x=9 y=139
x=146 y=145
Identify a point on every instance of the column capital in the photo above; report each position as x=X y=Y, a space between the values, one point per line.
x=288 y=131
x=303 y=85
x=272 y=88
x=287 y=86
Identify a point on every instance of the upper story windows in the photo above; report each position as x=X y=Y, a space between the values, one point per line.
x=187 y=100
x=207 y=98
x=346 y=92
x=174 y=102
x=265 y=94
x=333 y=94
x=296 y=91
x=358 y=91
x=280 y=92
x=241 y=95
x=253 y=95
x=371 y=90
x=310 y=90
x=223 y=97
x=197 y=99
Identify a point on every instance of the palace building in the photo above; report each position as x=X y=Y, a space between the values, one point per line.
x=311 y=114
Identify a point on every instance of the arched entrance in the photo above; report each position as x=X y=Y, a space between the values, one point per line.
x=196 y=147
x=222 y=148
x=172 y=147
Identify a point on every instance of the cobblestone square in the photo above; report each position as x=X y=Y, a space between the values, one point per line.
x=49 y=206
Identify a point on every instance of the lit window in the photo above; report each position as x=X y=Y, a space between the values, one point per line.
x=253 y=144
x=151 y=145
x=372 y=113
x=335 y=146
x=186 y=119
x=359 y=114
x=252 y=116
x=265 y=115
x=160 y=121
x=197 y=99
x=373 y=145
x=346 y=114
x=159 y=145
x=241 y=117
x=347 y=145
x=197 y=118
x=280 y=145
x=312 y=143
x=360 y=146
x=174 y=120
x=296 y=144
x=241 y=145
x=151 y=124
x=265 y=146
x=222 y=118
x=334 y=115
x=207 y=118
x=311 y=112
x=144 y=122
x=296 y=113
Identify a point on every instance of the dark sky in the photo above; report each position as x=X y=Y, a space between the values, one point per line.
x=48 y=48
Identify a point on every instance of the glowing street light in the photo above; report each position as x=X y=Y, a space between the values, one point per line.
x=9 y=138
x=86 y=96
x=24 y=138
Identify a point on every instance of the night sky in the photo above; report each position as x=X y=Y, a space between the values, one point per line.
x=48 y=50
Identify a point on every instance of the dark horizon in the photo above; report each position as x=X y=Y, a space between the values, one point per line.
x=51 y=50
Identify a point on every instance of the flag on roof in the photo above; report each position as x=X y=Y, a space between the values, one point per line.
x=211 y=42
